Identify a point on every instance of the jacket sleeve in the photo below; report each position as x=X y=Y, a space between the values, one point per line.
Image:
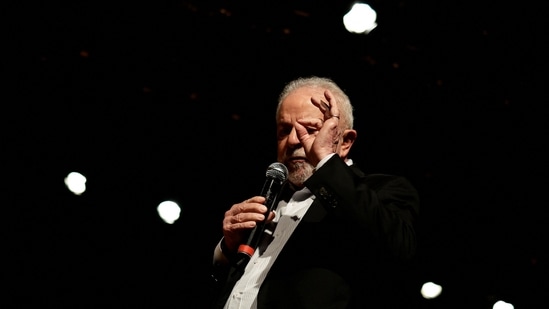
x=383 y=208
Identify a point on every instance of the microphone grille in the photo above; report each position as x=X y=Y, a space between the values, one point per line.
x=278 y=171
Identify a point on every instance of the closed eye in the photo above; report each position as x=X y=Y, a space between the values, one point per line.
x=283 y=131
x=312 y=130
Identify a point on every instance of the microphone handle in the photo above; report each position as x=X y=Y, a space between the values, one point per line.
x=270 y=191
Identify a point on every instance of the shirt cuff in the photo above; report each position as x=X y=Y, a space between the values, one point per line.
x=326 y=158
x=218 y=256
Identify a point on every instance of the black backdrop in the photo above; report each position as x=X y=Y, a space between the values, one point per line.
x=175 y=100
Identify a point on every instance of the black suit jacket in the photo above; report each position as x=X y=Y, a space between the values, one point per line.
x=347 y=250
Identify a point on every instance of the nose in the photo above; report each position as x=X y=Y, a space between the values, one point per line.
x=293 y=141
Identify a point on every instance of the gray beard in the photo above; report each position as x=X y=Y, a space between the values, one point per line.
x=299 y=172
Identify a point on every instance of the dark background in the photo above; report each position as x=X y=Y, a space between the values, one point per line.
x=175 y=100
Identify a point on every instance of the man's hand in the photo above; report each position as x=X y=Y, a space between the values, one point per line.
x=326 y=138
x=241 y=218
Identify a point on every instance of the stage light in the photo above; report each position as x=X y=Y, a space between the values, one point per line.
x=502 y=305
x=430 y=290
x=169 y=211
x=76 y=183
x=360 y=19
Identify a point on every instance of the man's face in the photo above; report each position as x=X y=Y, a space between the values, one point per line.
x=297 y=106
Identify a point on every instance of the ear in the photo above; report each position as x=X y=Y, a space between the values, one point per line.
x=349 y=137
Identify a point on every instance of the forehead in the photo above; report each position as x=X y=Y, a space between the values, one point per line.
x=298 y=104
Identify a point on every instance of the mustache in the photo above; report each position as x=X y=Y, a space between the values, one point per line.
x=298 y=153
x=294 y=166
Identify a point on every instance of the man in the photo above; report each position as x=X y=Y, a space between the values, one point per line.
x=337 y=235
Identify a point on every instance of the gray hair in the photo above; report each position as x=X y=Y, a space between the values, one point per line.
x=344 y=103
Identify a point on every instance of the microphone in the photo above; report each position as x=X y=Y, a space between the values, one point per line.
x=275 y=177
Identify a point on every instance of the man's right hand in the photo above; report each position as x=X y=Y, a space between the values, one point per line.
x=241 y=218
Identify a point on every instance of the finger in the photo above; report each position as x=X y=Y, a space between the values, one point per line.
x=303 y=134
x=242 y=221
x=254 y=204
x=322 y=105
x=231 y=227
x=328 y=112
x=256 y=200
x=251 y=209
x=325 y=105
x=244 y=217
x=310 y=123
x=334 y=106
x=329 y=108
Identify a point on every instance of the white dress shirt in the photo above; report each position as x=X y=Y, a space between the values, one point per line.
x=244 y=293
x=288 y=215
